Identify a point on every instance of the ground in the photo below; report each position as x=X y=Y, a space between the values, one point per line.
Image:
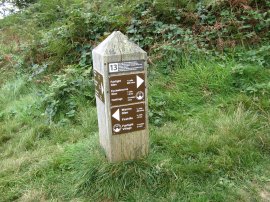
x=209 y=128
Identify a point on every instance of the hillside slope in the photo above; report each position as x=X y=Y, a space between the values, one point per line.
x=209 y=102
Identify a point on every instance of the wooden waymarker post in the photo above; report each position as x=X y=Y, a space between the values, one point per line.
x=121 y=97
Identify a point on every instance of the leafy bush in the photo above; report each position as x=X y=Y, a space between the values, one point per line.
x=251 y=79
x=60 y=101
x=178 y=32
x=260 y=56
x=21 y=3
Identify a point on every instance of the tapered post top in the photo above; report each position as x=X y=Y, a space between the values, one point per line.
x=118 y=44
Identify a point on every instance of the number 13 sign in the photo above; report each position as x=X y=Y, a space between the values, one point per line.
x=113 y=67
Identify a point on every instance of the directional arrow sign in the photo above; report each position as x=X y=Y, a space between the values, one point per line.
x=128 y=118
x=139 y=81
x=116 y=115
x=126 y=89
x=99 y=91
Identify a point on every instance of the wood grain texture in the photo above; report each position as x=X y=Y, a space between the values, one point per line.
x=134 y=145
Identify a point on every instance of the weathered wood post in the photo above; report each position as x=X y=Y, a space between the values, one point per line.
x=120 y=71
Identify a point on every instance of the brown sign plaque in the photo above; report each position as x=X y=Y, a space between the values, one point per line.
x=99 y=86
x=129 y=118
x=127 y=89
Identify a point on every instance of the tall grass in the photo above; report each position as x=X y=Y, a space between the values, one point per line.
x=207 y=144
x=209 y=115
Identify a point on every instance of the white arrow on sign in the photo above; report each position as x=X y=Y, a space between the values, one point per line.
x=139 y=81
x=116 y=115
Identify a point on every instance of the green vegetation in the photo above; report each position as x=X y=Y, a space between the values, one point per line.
x=209 y=102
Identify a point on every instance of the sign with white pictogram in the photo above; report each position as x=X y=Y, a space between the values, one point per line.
x=126 y=119
x=120 y=74
x=140 y=95
x=127 y=66
x=127 y=89
x=99 y=86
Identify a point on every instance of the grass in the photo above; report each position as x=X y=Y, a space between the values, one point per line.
x=208 y=143
x=209 y=116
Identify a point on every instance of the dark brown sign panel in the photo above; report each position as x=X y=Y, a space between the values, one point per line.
x=126 y=119
x=136 y=65
x=99 y=86
x=127 y=89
